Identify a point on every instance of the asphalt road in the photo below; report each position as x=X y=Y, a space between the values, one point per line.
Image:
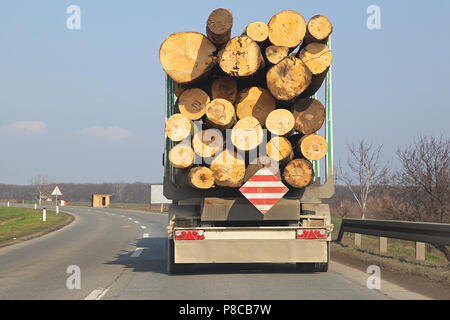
x=121 y=254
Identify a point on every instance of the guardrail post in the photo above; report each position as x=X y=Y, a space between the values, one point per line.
x=420 y=251
x=8 y=203
x=383 y=244
x=358 y=240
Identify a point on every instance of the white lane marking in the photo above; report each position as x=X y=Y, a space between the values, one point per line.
x=122 y=216
x=130 y=218
x=145 y=235
x=143 y=227
x=137 y=252
x=97 y=294
x=136 y=221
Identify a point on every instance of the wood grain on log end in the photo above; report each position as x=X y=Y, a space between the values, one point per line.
x=299 y=173
x=220 y=114
x=201 y=177
x=241 y=57
x=181 y=156
x=247 y=134
x=228 y=169
x=288 y=78
x=275 y=54
x=280 y=122
x=287 y=29
x=280 y=149
x=313 y=146
x=317 y=57
x=192 y=103
x=309 y=115
x=218 y=25
x=224 y=88
x=207 y=143
x=178 y=127
x=257 y=31
x=187 y=56
x=255 y=102
x=318 y=29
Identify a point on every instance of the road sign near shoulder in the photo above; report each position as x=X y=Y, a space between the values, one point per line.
x=156 y=194
x=56 y=192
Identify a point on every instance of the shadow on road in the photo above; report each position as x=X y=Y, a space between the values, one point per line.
x=154 y=259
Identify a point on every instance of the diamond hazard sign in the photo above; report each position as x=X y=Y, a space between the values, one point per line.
x=264 y=190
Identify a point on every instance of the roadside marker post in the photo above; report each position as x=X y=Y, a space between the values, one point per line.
x=57 y=209
x=44 y=214
x=8 y=203
x=35 y=206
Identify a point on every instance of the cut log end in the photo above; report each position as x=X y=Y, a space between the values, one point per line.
x=201 y=178
x=181 y=156
x=319 y=28
x=192 y=103
x=287 y=29
x=257 y=31
x=255 y=102
x=299 y=173
x=218 y=26
x=309 y=115
x=178 y=127
x=241 y=57
x=317 y=57
x=247 y=134
x=280 y=122
x=288 y=79
x=220 y=114
x=187 y=56
x=280 y=149
x=313 y=147
x=207 y=143
x=228 y=169
x=275 y=54
x=224 y=88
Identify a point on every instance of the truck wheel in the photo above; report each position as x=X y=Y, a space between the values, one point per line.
x=176 y=268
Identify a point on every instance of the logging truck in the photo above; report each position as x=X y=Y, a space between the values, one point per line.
x=242 y=154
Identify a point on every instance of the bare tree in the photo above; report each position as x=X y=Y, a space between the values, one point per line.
x=41 y=185
x=118 y=190
x=423 y=182
x=365 y=173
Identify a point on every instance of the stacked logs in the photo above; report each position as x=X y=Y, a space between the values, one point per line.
x=253 y=91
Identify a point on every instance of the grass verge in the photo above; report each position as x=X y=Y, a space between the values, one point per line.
x=18 y=224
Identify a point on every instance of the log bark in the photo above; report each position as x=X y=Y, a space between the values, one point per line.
x=207 y=143
x=247 y=134
x=280 y=122
x=262 y=162
x=275 y=54
x=280 y=149
x=299 y=173
x=218 y=26
x=220 y=114
x=257 y=31
x=316 y=82
x=255 y=102
x=192 y=103
x=228 y=169
x=317 y=57
x=287 y=29
x=224 y=88
x=318 y=29
x=178 y=88
x=313 y=146
x=187 y=56
x=201 y=178
x=241 y=57
x=288 y=79
x=181 y=156
x=309 y=115
x=178 y=127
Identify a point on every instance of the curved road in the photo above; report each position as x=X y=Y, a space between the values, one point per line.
x=121 y=254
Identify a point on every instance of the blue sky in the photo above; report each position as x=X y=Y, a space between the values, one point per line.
x=87 y=105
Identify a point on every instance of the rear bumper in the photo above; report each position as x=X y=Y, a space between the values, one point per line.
x=250 y=251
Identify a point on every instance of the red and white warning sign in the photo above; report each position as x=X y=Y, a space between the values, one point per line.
x=264 y=190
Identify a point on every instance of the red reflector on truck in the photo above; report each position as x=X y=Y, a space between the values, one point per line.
x=311 y=234
x=189 y=235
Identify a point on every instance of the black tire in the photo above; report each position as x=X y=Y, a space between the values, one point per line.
x=315 y=266
x=176 y=268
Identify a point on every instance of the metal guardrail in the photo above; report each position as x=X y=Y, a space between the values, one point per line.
x=436 y=233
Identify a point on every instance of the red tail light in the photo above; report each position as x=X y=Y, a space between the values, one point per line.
x=311 y=234
x=189 y=235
